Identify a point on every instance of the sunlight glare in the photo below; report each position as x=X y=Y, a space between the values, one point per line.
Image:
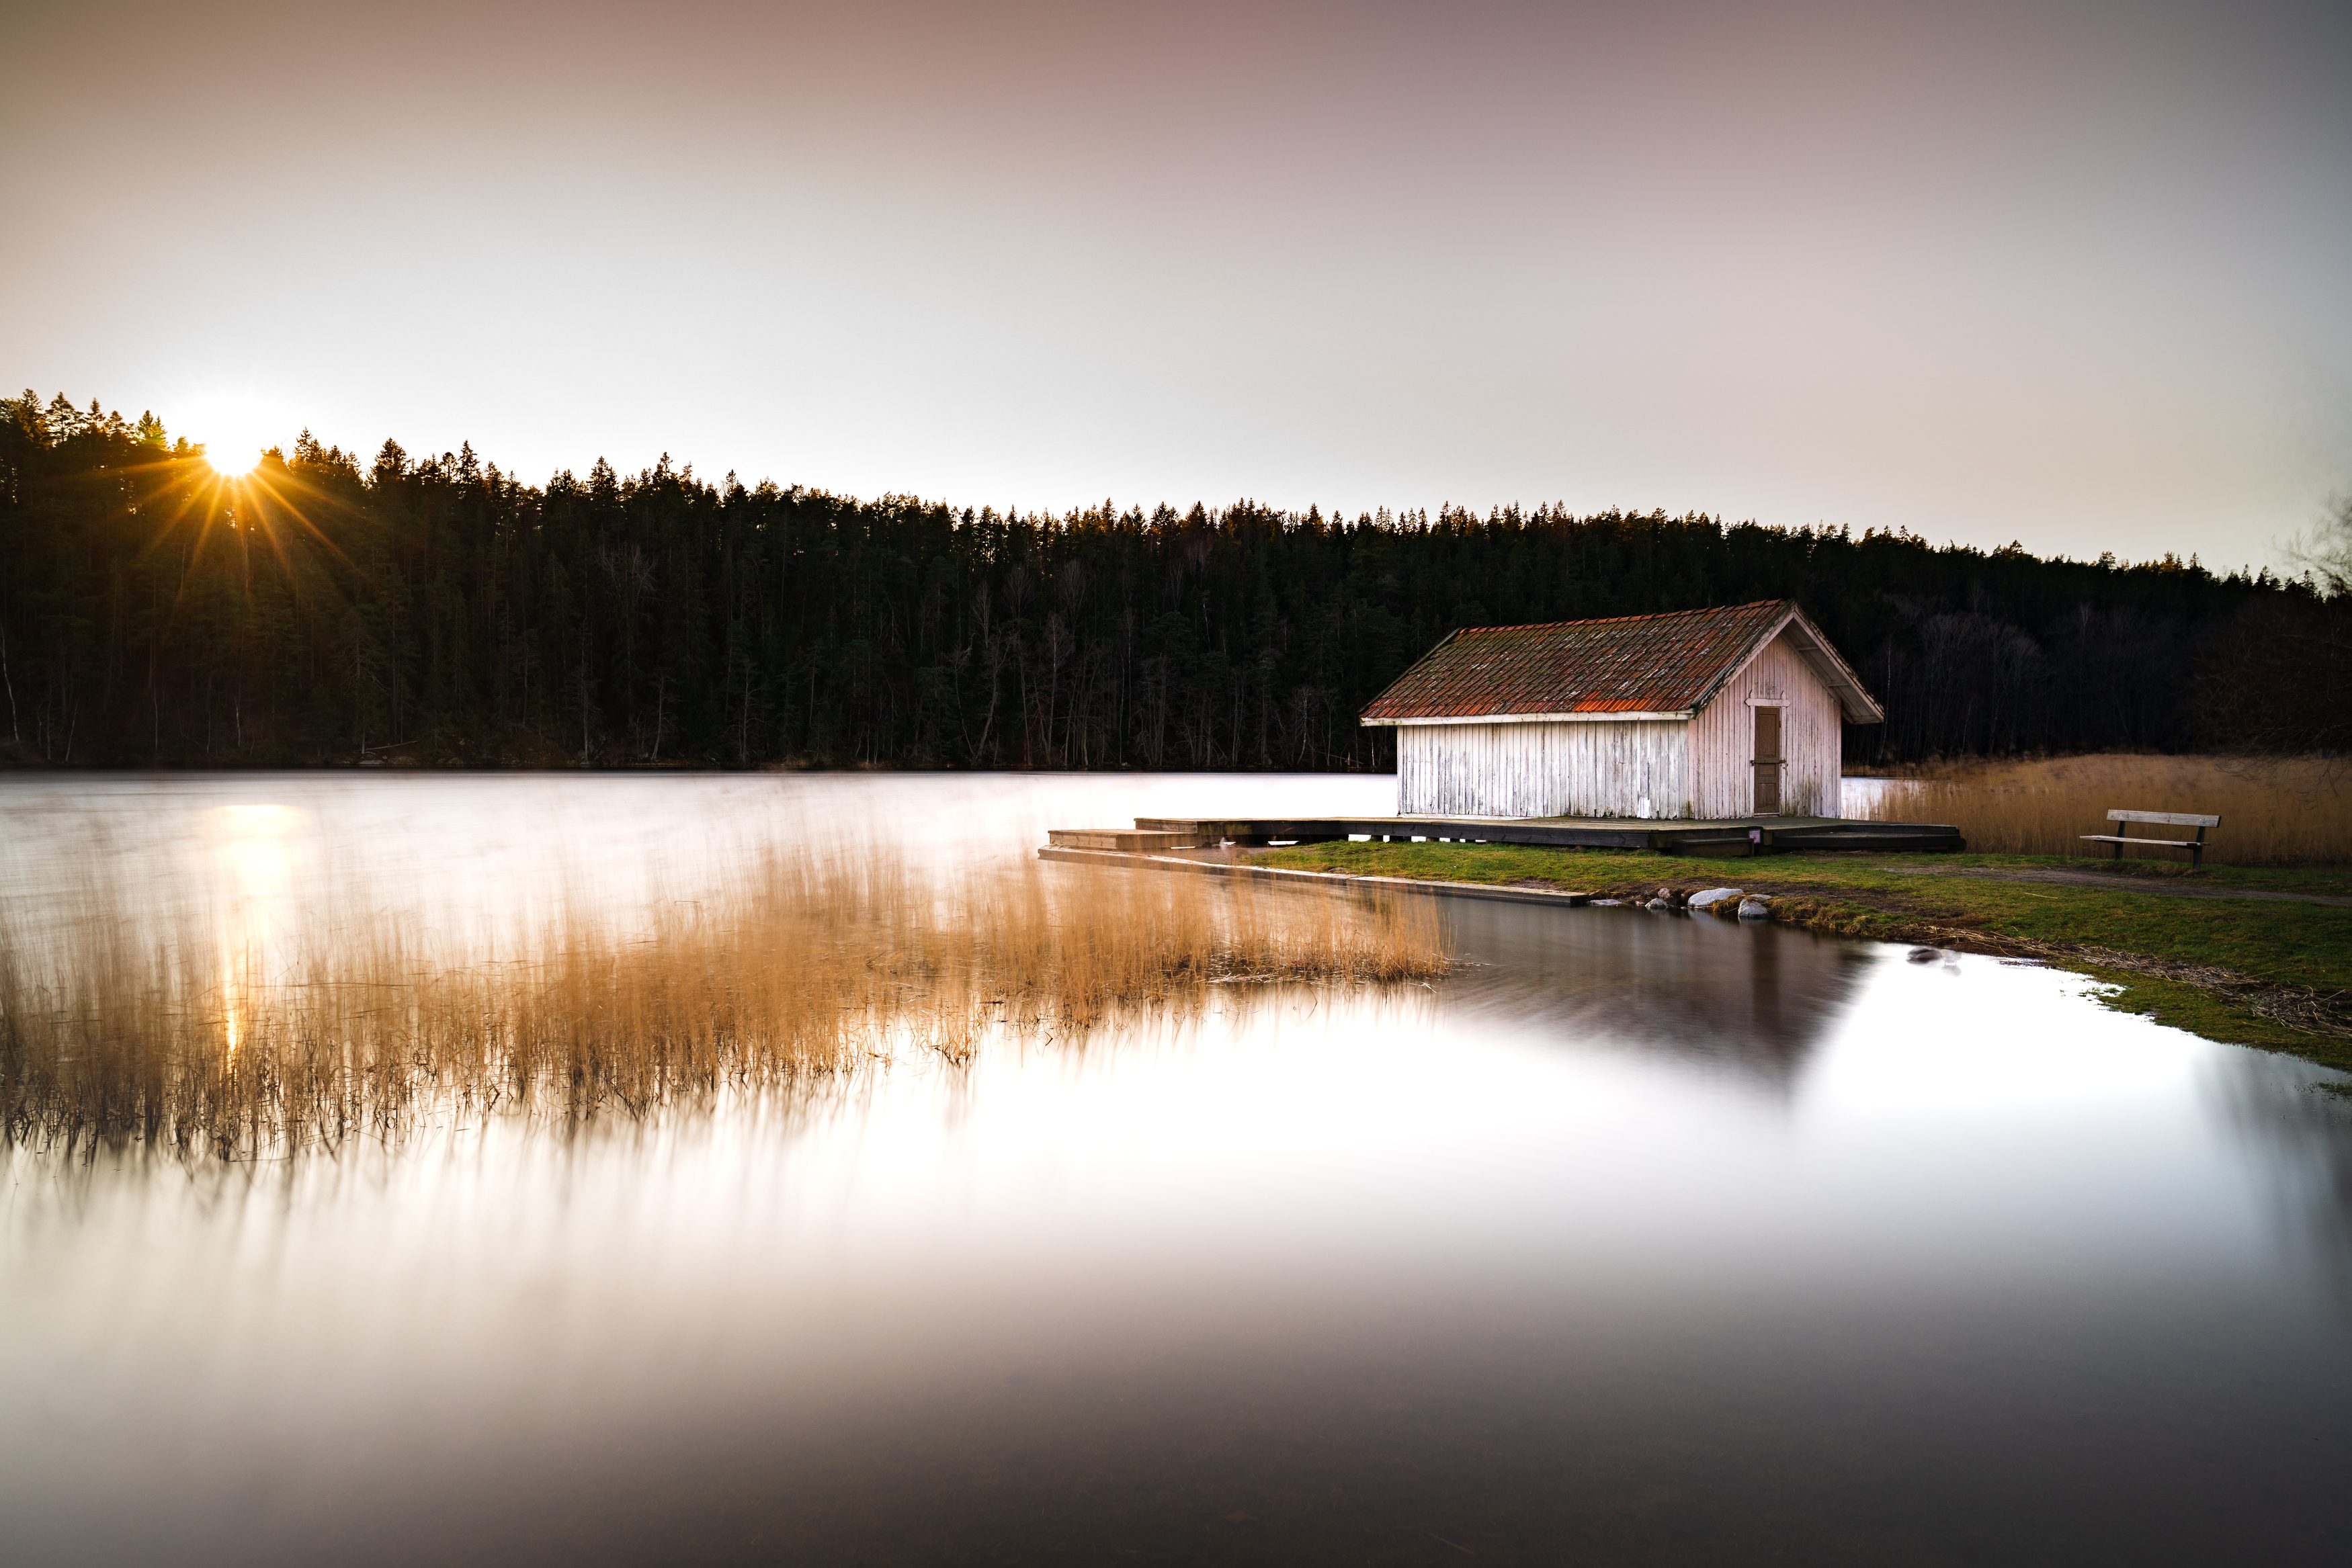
x=231 y=459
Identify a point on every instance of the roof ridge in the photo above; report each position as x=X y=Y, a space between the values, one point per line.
x=1620 y=620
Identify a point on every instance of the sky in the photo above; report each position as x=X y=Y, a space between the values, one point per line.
x=2077 y=276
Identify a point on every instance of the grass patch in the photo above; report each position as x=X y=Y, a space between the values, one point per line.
x=2251 y=972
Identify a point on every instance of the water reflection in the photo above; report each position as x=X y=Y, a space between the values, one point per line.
x=1646 y=1240
x=466 y=861
x=1749 y=1001
x=2295 y=1123
x=254 y=851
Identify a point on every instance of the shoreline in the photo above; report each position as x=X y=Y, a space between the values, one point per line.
x=2245 y=957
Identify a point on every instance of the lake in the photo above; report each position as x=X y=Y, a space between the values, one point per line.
x=1641 y=1239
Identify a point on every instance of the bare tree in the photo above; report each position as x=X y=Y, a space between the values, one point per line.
x=2326 y=552
x=2280 y=679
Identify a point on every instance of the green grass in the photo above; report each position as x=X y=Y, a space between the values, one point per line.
x=2301 y=945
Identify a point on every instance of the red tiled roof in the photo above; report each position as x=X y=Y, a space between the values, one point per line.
x=1634 y=664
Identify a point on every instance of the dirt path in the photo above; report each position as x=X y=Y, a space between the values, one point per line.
x=2118 y=883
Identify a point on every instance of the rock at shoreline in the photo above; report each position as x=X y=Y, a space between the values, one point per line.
x=1756 y=909
x=1712 y=896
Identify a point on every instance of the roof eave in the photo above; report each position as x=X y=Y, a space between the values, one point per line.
x=1853 y=699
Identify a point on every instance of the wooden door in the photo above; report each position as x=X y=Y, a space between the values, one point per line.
x=1766 y=759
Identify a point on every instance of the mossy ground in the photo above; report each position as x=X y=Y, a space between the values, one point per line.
x=2218 y=967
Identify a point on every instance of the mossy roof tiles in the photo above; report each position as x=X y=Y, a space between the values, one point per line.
x=1632 y=664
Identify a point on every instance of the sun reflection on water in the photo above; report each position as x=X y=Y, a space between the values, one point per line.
x=257 y=846
x=252 y=844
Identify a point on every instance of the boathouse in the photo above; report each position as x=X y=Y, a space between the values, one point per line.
x=1708 y=714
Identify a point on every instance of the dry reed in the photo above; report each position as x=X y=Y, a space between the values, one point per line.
x=2284 y=812
x=810 y=965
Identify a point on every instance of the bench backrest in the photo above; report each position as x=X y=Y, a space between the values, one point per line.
x=2169 y=818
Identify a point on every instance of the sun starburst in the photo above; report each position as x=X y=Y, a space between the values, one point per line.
x=231 y=459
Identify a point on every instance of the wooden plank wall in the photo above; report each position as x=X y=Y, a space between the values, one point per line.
x=1580 y=769
x=1723 y=739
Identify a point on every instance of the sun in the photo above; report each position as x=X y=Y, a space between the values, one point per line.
x=231 y=459
x=237 y=427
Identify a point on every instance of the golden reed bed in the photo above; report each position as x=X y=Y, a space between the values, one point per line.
x=2295 y=812
x=809 y=965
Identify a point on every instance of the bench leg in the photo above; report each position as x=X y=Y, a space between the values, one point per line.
x=2119 y=849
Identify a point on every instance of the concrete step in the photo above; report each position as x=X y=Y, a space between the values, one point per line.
x=1130 y=840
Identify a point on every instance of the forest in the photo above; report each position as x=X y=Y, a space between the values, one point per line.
x=435 y=611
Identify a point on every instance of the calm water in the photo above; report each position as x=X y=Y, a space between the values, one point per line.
x=1644 y=1239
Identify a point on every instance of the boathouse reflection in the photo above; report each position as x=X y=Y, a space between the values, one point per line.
x=1740 y=997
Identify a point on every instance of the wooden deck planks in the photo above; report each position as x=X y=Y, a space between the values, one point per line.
x=1732 y=837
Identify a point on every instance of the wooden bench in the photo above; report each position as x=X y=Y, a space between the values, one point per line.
x=2196 y=846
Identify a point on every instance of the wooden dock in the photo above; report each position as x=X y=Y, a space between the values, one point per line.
x=1736 y=838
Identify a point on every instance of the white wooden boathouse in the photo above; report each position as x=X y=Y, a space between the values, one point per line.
x=1707 y=714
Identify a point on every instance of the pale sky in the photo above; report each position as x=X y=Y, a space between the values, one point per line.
x=2079 y=276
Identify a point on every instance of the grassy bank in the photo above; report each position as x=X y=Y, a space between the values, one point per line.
x=2252 y=972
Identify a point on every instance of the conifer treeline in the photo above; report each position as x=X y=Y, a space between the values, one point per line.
x=440 y=611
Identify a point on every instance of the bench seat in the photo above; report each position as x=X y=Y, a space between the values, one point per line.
x=2196 y=846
